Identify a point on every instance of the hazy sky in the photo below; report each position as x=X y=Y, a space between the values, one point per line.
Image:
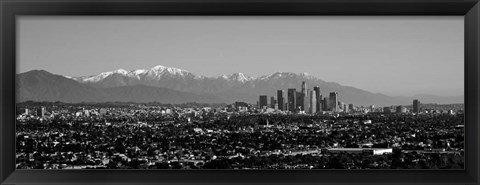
x=394 y=55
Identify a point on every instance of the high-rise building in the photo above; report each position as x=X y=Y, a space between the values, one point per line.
x=416 y=106
x=280 y=101
x=313 y=102
x=320 y=103
x=325 y=104
x=304 y=88
x=333 y=100
x=318 y=97
x=263 y=101
x=345 y=107
x=306 y=102
x=272 y=102
x=299 y=100
x=292 y=99
x=304 y=105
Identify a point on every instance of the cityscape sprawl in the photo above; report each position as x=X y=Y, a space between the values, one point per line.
x=292 y=130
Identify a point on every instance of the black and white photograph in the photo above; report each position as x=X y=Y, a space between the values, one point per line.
x=240 y=92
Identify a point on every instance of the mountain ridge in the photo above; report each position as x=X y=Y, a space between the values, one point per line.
x=226 y=88
x=40 y=85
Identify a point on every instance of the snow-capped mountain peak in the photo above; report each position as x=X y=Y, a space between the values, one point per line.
x=160 y=73
x=101 y=76
x=121 y=71
x=159 y=69
x=240 y=77
x=278 y=75
x=155 y=72
x=138 y=72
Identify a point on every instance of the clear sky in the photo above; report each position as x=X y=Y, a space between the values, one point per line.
x=394 y=55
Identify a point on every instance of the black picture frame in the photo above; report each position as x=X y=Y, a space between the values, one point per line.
x=470 y=9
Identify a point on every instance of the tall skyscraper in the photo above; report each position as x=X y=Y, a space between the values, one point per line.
x=325 y=104
x=280 y=101
x=272 y=102
x=313 y=102
x=333 y=101
x=305 y=101
x=304 y=88
x=416 y=106
x=299 y=100
x=318 y=97
x=263 y=101
x=292 y=98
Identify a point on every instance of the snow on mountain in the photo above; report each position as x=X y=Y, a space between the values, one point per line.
x=170 y=77
x=121 y=71
x=236 y=77
x=156 y=72
x=159 y=70
x=138 y=71
x=99 y=77
x=279 y=75
x=240 y=77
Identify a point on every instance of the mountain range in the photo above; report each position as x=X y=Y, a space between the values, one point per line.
x=172 y=85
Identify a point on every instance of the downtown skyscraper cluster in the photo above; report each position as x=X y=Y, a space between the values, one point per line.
x=304 y=101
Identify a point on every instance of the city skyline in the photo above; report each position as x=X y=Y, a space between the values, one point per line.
x=416 y=60
x=308 y=102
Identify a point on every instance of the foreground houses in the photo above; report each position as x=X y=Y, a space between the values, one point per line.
x=153 y=137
